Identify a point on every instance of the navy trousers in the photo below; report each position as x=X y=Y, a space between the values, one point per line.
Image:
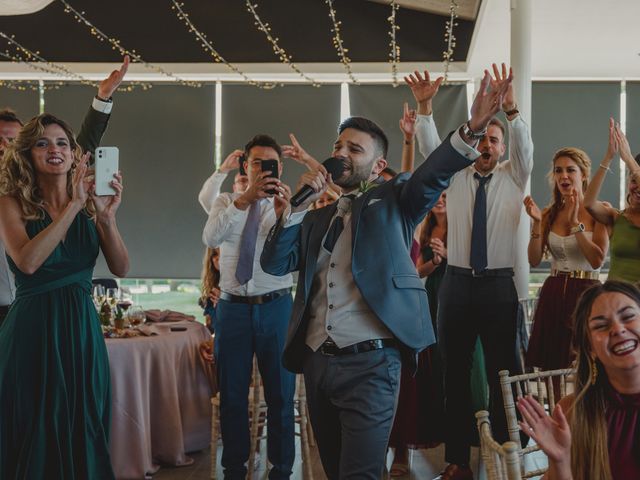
x=240 y=331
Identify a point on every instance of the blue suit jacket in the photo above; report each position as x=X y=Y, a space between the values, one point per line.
x=383 y=222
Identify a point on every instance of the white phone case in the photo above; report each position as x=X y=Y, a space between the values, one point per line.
x=106 y=167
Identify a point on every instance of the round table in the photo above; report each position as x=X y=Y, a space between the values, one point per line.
x=160 y=398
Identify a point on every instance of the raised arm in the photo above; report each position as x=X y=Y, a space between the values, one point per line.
x=424 y=90
x=520 y=143
x=111 y=243
x=212 y=185
x=30 y=253
x=602 y=213
x=97 y=118
x=408 y=128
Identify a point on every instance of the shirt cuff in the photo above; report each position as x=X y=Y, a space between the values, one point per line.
x=100 y=106
x=292 y=219
x=462 y=147
x=425 y=118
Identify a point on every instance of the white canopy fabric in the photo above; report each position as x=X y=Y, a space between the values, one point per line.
x=22 y=7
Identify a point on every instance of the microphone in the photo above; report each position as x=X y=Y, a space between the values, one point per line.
x=334 y=166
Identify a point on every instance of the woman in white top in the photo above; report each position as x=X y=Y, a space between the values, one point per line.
x=577 y=245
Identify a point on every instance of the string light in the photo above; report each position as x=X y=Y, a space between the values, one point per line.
x=394 y=54
x=450 y=38
x=54 y=68
x=117 y=45
x=338 y=43
x=277 y=49
x=27 y=84
x=26 y=56
x=208 y=47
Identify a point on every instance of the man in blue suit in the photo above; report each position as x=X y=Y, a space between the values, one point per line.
x=359 y=301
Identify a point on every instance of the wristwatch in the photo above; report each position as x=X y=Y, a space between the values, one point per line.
x=578 y=228
x=467 y=132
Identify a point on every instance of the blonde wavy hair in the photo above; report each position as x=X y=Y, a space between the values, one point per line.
x=551 y=211
x=210 y=275
x=18 y=175
x=589 y=439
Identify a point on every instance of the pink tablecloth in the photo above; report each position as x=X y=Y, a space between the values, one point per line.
x=161 y=400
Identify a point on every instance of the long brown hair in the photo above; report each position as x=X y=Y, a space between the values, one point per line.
x=550 y=213
x=589 y=443
x=426 y=229
x=17 y=173
x=210 y=274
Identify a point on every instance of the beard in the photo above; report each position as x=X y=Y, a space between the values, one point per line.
x=354 y=175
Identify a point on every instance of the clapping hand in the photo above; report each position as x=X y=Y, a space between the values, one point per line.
x=551 y=433
x=282 y=199
x=488 y=102
x=439 y=250
x=80 y=181
x=532 y=209
x=423 y=90
x=612 y=147
x=113 y=81
x=574 y=200
x=408 y=122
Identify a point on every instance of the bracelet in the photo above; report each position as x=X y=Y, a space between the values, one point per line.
x=408 y=142
x=606 y=167
x=535 y=235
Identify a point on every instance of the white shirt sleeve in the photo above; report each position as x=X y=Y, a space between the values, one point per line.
x=210 y=190
x=462 y=147
x=100 y=106
x=521 y=150
x=223 y=216
x=427 y=135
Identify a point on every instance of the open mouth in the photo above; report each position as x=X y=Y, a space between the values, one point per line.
x=55 y=161
x=565 y=185
x=624 y=348
x=486 y=155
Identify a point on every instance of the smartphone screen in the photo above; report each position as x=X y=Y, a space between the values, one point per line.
x=270 y=166
x=106 y=166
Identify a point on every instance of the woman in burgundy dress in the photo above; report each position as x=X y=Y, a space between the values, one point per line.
x=599 y=438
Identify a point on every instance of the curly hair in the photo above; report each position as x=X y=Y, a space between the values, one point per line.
x=17 y=173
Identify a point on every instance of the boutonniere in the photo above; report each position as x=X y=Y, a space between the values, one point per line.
x=366 y=185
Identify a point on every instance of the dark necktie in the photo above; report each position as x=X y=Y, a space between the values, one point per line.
x=479 y=231
x=244 y=269
x=337 y=226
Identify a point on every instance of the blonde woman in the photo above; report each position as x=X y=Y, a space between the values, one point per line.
x=577 y=245
x=210 y=289
x=599 y=438
x=54 y=370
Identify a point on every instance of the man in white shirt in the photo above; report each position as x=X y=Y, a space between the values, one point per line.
x=359 y=301
x=211 y=187
x=252 y=316
x=89 y=136
x=477 y=295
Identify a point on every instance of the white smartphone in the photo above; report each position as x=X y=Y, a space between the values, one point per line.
x=106 y=167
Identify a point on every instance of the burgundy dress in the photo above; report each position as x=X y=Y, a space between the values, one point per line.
x=623 y=431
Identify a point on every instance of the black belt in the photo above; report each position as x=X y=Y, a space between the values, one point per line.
x=4 y=309
x=255 y=299
x=489 y=272
x=331 y=349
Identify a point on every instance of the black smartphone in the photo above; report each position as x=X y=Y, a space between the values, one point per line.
x=241 y=169
x=270 y=166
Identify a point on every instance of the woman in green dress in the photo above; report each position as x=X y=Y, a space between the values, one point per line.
x=54 y=371
x=623 y=226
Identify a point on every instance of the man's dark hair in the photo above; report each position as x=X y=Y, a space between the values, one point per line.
x=498 y=123
x=8 y=115
x=262 y=141
x=367 y=126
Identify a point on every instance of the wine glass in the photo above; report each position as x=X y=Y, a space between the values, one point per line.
x=98 y=295
x=112 y=296
x=136 y=315
x=124 y=300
